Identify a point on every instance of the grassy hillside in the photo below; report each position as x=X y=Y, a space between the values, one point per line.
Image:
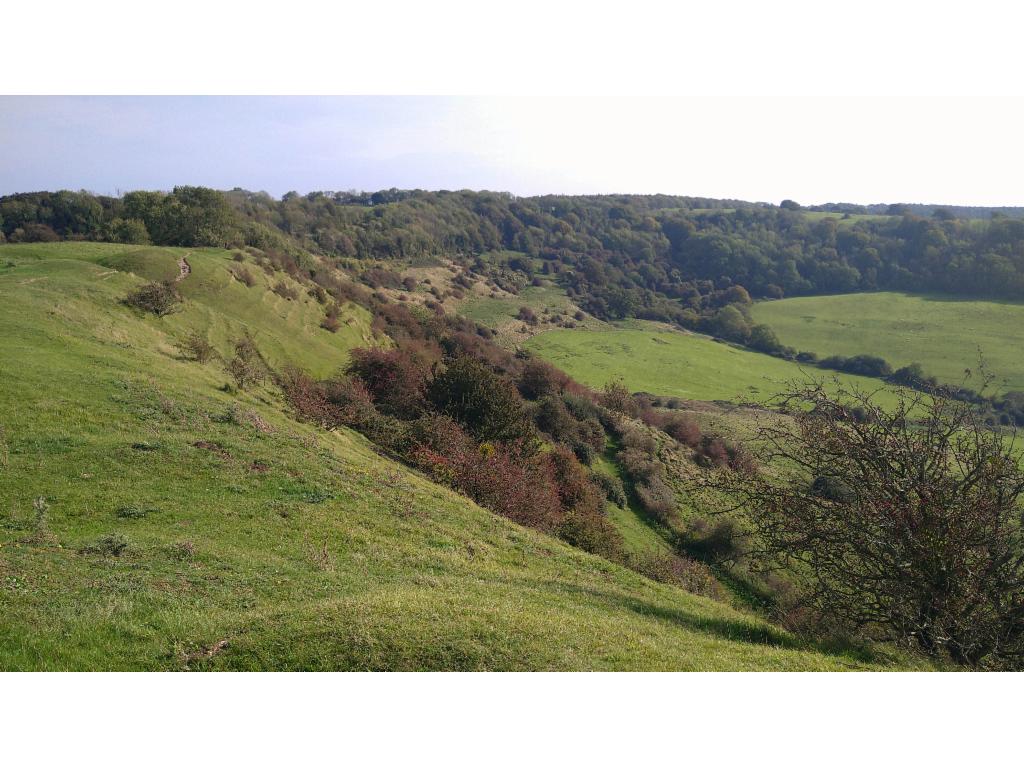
x=943 y=334
x=674 y=364
x=149 y=519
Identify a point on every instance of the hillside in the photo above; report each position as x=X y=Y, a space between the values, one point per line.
x=154 y=518
x=676 y=364
x=944 y=334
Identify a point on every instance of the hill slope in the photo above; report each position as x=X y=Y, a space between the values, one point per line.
x=675 y=364
x=944 y=334
x=251 y=541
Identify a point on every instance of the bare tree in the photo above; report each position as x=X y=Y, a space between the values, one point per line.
x=902 y=522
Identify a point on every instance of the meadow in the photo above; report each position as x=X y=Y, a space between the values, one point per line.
x=152 y=517
x=945 y=335
x=677 y=364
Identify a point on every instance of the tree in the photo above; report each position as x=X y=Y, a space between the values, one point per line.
x=904 y=524
x=729 y=323
x=486 y=404
x=763 y=339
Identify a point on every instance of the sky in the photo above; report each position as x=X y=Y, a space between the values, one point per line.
x=784 y=143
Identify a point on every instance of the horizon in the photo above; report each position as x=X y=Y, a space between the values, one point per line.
x=121 y=192
x=527 y=147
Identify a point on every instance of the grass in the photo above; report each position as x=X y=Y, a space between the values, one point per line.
x=641 y=534
x=675 y=364
x=549 y=301
x=944 y=335
x=256 y=542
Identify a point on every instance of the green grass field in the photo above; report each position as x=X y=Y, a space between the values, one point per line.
x=257 y=542
x=945 y=335
x=676 y=364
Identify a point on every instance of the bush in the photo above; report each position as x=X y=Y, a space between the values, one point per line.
x=244 y=276
x=198 y=348
x=341 y=401
x=553 y=418
x=927 y=550
x=592 y=533
x=617 y=398
x=132 y=512
x=285 y=291
x=527 y=315
x=110 y=545
x=539 y=379
x=395 y=378
x=247 y=367
x=681 y=571
x=714 y=543
x=482 y=401
x=34 y=232
x=657 y=499
x=157 y=298
x=518 y=486
x=684 y=429
x=613 y=489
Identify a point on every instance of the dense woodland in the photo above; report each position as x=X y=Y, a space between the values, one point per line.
x=677 y=259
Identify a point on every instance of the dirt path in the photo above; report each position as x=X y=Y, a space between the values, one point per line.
x=184 y=269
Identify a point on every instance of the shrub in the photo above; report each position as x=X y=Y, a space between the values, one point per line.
x=132 y=512
x=916 y=537
x=681 y=571
x=34 y=232
x=516 y=485
x=244 y=276
x=657 y=498
x=613 y=489
x=395 y=379
x=331 y=323
x=183 y=550
x=638 y=464
x=684 y=429
x=639 y=440
x=247 y=367
x=527 y=315
x=285 y=291
x=198 y=348
x=616 y=397
x=713 y=452
x=110 y=545
x=591 y=532
x=539 y=379
x=485 y=403
x=575 y=487
x=157 y=298
x=341 y=401
x=553 y=418
x=713 y=542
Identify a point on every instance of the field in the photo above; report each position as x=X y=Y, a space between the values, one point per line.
x=944 y=335
x=151 y=518
x=675 y=364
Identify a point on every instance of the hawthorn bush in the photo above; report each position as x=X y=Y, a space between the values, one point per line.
x=395 y=379
x=157 y=298
x=916 y=536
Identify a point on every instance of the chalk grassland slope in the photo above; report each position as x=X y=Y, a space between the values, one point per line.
x=676 y=364
x=251 y=541
x=943 y=334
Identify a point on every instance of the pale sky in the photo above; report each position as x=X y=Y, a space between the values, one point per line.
x=813 y=147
